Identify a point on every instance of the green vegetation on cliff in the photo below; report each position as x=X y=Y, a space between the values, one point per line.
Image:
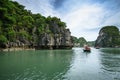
x=108 y=37
x=20 y=26
x=80 y=42
x=110 y=30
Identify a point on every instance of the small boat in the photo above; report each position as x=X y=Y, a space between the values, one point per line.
x=86 y=49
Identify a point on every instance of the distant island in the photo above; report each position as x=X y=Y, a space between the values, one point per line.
x=80 y=42
x=20 y=28
x=109 y=36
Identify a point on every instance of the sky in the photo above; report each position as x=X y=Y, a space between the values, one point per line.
x=84 y=18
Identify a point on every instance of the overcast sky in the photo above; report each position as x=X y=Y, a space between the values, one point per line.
x=84 y=18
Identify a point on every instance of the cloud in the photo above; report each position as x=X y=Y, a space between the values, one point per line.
x=88 y=16
x=44 y=7
x=84 y=19
x=58 y=3
x=113 y=20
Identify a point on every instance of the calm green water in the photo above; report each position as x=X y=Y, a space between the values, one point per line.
x=100 y=64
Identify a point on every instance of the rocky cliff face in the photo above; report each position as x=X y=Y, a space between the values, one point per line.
x=57 y=38
x=108 y=37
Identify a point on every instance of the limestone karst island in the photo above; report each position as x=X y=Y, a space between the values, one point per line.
x=19 y=28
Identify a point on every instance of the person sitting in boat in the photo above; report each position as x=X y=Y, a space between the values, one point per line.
x=86 y=47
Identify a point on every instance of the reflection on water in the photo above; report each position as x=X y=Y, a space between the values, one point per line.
x=37 y=65
x=100 y=64
x=85 y=66
x=110 y=61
